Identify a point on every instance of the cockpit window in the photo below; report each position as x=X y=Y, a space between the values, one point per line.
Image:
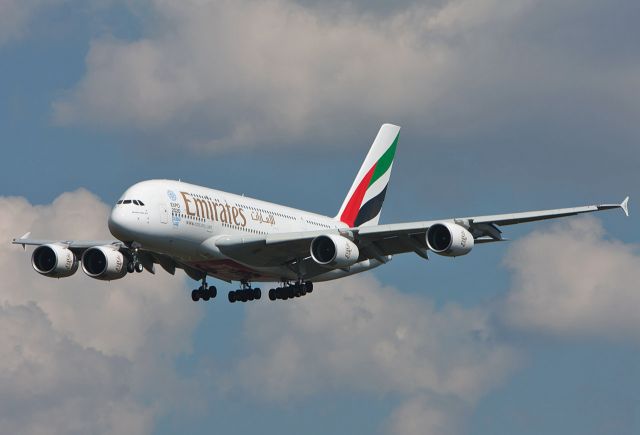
x=131 y=201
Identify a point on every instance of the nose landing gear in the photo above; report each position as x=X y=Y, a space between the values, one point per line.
x=135 y=267
x=134 y=264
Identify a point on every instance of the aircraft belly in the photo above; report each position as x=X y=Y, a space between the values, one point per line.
x=230 y=270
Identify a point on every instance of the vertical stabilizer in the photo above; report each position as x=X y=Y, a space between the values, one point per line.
x=363 y=203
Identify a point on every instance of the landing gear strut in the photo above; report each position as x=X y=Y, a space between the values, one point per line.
x=204 y=292
x=245 y=293
x=290 y=291
x=134 y=265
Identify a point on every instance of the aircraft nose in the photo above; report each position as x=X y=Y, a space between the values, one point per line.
x=118 y=225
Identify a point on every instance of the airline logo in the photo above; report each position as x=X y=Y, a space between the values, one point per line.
x=213 y=209
x=366 y=200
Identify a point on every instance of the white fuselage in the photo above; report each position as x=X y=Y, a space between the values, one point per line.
x=183 y=220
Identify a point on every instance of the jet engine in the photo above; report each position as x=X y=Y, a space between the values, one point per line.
x=104 y=262
x=54 y=260
x=334 y=251
x=449 y=239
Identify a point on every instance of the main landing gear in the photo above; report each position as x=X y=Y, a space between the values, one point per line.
x=135 y=267
x=204 y=292
x=290 y=291
x=244 y=294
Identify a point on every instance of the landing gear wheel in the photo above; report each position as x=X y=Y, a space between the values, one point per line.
x=232 y=296
x=131 y=267
x=205 y=296
x=272 y=294
x=257 y=294
x=213 y=291
x=195 y=295
x=139 y=268
x=308 y=286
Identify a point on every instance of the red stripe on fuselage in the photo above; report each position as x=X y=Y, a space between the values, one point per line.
x=353 y=206
x=231 y=270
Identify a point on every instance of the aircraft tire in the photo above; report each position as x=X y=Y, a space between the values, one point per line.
x=232 y=296
x=195 y=295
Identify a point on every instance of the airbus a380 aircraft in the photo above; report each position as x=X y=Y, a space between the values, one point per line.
x=206 y=232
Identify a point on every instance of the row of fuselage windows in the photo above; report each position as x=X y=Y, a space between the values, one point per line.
x=224 y=224
x=258 y=209
x=282 y=215
x=318 y=224
x=130 y=201
x=246 y=207
x=263 y=210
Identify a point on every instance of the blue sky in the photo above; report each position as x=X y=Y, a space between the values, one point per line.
x=504 y=108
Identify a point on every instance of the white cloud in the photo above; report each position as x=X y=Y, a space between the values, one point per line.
x=52 y=385
x=15 y=16
x=80 y=355
x=422 y=415
x=572 y=281
x=358 y=335
x=220 y=74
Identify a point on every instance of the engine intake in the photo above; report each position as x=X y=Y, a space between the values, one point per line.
x=104 y=262
x=448 y=239
x=54 y=260
x=334 y=251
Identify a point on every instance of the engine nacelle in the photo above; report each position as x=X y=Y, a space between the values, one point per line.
x=104 y=262
x=54 y=260
x=448 y=239
x=334 y=251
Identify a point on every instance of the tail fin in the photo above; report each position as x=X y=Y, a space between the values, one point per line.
x=363 y=203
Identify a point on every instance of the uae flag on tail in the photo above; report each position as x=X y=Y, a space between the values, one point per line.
x=363 y=203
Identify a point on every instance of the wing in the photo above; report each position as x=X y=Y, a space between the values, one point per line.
x=380 y=241
x=77 y=246
x=147 y=258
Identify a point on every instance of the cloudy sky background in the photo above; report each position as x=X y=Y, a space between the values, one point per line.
x=505 y=106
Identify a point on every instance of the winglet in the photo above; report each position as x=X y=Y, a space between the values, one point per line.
x=624 y=205
x=24 y=236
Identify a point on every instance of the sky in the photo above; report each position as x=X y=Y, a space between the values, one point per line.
x=504 y=107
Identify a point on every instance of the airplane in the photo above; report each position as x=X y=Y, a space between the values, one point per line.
x=211 y=233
